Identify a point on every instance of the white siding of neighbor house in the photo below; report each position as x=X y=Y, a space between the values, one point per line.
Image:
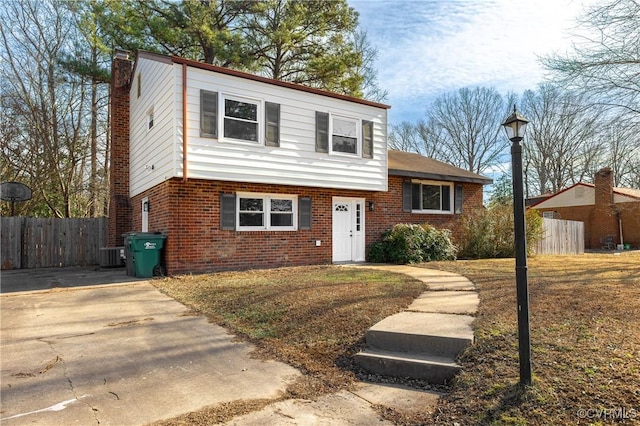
x=579 y=195
x=152 y=151
x=294 y=162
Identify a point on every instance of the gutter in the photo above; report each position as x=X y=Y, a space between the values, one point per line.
x=184 y=123
x=436 y=176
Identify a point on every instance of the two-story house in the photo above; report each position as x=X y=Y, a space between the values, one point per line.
x=241 y=171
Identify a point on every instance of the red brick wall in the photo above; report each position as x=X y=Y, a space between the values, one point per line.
x=388 y=209
x=119 y=206
x=189 y=213
x=599 y=223
x=630 y=216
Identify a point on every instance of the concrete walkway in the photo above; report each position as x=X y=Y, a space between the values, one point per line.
x=448 y=294
x=127 y=354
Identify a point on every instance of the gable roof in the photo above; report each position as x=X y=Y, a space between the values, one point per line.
x=409 y=164
x=228 y=71
x=625 y=193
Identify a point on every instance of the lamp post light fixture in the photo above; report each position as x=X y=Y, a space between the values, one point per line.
x=515 y=126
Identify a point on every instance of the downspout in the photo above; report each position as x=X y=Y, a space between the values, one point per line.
x=620 y=228
x=184 y=122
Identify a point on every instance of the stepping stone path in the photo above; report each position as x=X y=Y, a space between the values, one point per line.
x=424 y=341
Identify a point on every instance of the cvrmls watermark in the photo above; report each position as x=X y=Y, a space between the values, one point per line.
x=620 y=413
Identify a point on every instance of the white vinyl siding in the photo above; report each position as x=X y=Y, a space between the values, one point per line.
x=152 y=126
x=293 y=162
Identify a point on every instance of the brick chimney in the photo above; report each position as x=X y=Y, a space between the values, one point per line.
x=604 y=219
x=119 y=203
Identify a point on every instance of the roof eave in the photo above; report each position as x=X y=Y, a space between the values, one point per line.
x=438 y=176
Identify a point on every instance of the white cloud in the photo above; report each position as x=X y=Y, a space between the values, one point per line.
x=426 y=48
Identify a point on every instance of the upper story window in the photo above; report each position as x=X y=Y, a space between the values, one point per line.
x=344 y=135
x=240 y=119
x=431 y=197
x=266 y=212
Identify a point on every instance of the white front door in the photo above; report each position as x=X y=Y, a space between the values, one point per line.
x=348 y=229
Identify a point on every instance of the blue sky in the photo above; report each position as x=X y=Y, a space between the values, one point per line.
x=430 y=47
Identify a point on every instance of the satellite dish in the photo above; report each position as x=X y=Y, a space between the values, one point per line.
x=14 y=191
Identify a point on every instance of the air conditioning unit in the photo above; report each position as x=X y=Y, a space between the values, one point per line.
x=111 y=257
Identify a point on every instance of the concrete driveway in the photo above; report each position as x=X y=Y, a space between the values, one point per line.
x=119 y=354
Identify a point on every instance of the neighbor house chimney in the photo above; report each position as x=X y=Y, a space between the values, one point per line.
x=604 y=219
x=604 y=188
x=119 y=203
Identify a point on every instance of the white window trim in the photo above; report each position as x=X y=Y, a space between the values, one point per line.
x=358 y=125
x=267 y=213
x=259 y=118
x=451 y=197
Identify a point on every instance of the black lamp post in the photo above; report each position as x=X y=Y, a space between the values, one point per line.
x=515 y=126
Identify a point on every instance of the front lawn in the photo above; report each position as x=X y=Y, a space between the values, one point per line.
x=585 y=339
x=585 y=322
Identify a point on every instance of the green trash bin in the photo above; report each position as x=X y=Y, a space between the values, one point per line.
x=145 y=249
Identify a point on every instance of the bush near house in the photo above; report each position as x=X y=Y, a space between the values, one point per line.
x=410 y=243
x=489 y=233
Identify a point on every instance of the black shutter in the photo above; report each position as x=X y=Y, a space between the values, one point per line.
x=457 y=202
x=208 y=114
x=304 y=213
x=322 y=132
x=446 y=198
x=367 y=139
x=272 y=124
x=406 y=196
x=228 y=212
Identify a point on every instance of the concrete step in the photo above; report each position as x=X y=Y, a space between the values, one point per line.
x=434 y=369
x=434 y=334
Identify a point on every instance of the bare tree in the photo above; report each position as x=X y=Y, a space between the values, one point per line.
x=622 y=145
x=468 y=121
x=48 y=106
x=562 y=146
x=605 y=59
x=432 y=139
x=404 y=137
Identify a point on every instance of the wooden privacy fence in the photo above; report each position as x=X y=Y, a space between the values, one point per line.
x=51 y=242
x=561 y=237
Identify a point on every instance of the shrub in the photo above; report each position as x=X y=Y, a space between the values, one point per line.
x=407 y=243
x=489 y=233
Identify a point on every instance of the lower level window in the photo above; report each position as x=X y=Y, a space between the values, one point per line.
x=266 y=211
x=431 y=197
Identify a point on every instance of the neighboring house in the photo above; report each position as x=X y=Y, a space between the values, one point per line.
x=241 y=171
x=605 y=210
